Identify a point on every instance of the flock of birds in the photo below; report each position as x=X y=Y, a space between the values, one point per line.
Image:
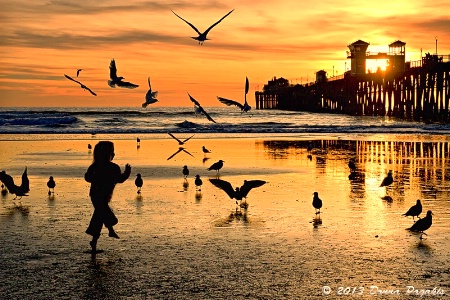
x=151 y=96
x=238 y=193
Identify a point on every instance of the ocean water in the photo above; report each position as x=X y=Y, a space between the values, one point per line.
x=229 y=120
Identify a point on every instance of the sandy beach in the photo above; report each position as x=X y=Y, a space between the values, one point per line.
x=179 y=243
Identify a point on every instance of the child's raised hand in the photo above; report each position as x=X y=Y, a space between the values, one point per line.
x=128 y=169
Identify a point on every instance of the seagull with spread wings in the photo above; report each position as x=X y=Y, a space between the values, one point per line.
x=202 y=36
x=150 y=97
x=17 y=190
x=199 y=109
x=115 y=80
x=180 y=142
x=239 y=193
x=81 y=85
x=244 y=107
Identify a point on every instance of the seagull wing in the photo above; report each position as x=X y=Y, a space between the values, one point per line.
x=187 y=152
x=201 y=109
x=211 y=27
x=250 y=184
x=180 y=142
x=126 y=84
x=247 y=85
x=224 y=185
x=85 y=87
x=188 y=138
x=112 y=69
x=70 y=78
x=230 y=102
x=149 y=85
x=8 y=181
x=25 y=186
x=179 y=150
x=190 y=24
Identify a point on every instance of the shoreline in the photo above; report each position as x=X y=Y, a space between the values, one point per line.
x=177 y=242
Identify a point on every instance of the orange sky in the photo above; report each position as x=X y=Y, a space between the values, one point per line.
x=41 y=41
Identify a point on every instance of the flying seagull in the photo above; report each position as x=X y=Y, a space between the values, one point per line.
x=244 y=107
x=78 y=71
x=118 y=80
x=150 y=97
x=415 y=210
x=81 y=85
x=19 y=191
x=422 y=224
x=180 y=142
x=202 y=36
x=199 y=109
x=239 y=193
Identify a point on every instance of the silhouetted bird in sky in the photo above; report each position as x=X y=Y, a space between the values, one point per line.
x=198 y=182
x=180 y=142
x=216 y=166
x=185 y=172
x=115 y=80
x=415 y=210
x=422 y=224
x=81 y=85
x=150 y=97
x=19 y=191
x=199 y=109
x=205 y=151
x=51 y=185
x=388 y=180
x=202 y=36
x=78 y=71
x=317 y=203
x=244 y=107
x=139 y=182
x=239 y=193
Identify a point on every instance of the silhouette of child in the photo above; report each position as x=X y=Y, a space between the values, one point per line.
x=103 y=175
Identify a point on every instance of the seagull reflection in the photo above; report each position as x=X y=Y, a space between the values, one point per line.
x=178 y=151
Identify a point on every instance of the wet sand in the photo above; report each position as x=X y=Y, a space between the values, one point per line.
x=177 y=243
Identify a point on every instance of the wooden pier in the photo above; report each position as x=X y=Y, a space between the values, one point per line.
x=420 y=91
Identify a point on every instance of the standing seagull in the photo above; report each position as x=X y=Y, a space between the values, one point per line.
x=388 y=180
x=78 y=71
x=216 y=166
x=19 y=191
x=150 y=97
x=118 y=80
x=180 y=142
x=202 y=36
x=205 y=150
x=199 y=109
x=139 y=182
x=244 y=107
x=81 y=85
x=352 y=165
x=415 y=210
x=198 y=183
x=317 y=203
x=422 y=224
x=185 y=172
x=51 y=185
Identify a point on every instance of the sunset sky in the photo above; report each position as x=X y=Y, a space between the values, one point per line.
x=41 y=41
